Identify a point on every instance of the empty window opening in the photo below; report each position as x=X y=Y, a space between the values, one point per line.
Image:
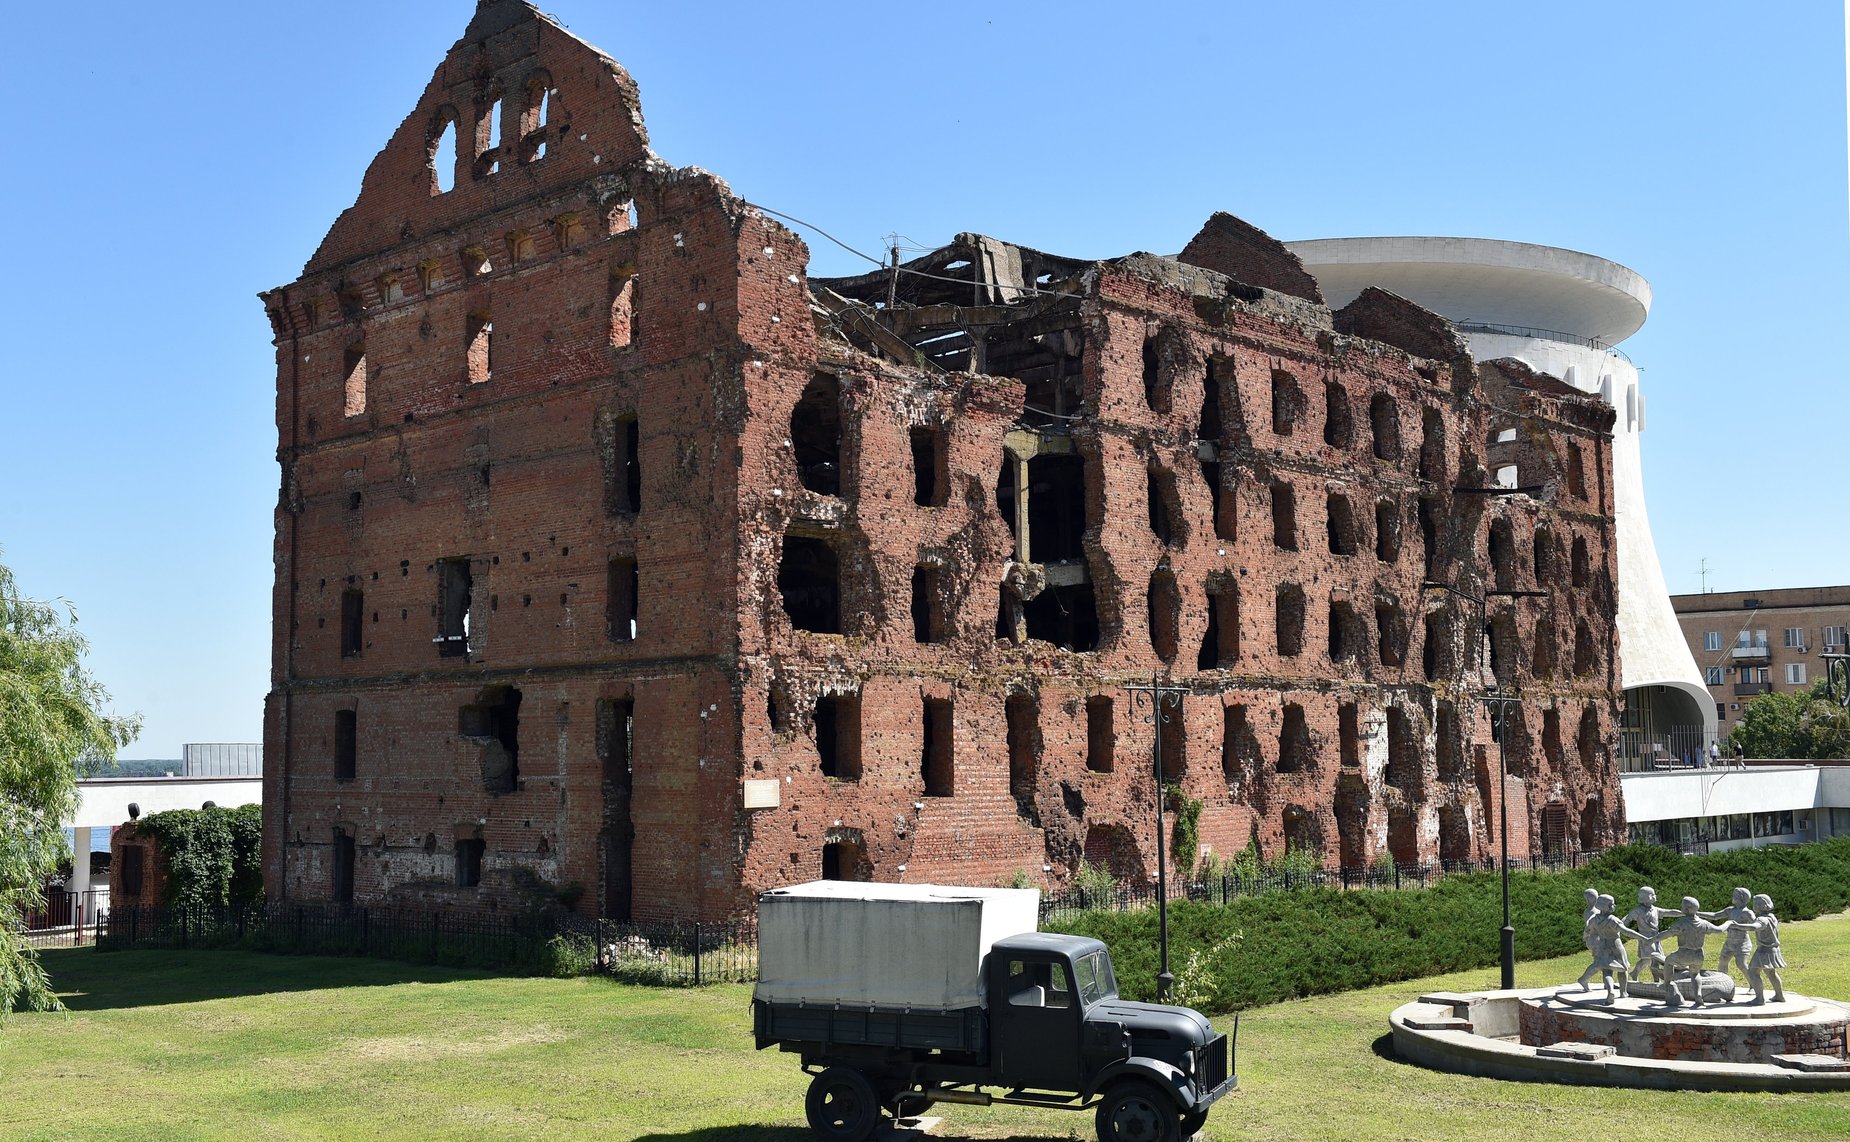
x=489 y=135
x=622 y=301
x=619 y=444
x=1024 y=745
x=492 y=721
x=1287 y=402
x=1404 y=836
x=846 y=859
x=1387 y=531
x=1586 y=658
x=1449 y=746
x=1384 y=419
x=1155 y=377
x=1352 y=821
x=352 y=618
x=622 y=594
x=1429 y=533
x=469 y=854
x=1288 y=619
x=1056 y=523
x=1390 y=633
x=1588 y=741
x=1165 y=506
x=1220 y=642
x=1502 y=555
x=1210 y=475
x=352 y=301
x=1551 y=737
x=1542 y=661
x=1432 y=445
x=1208 y=425
x=1338 y=420
x=1295 y=753
x=1101 y=740
x=353 y=372
x=615 y=733
x=930 y=482
x=1500 y=635
x=475 y=262
x=937 y=757
x=480 y=339
x=1581 y=565
x=1515 y=738
x=346 y=744
x=1543 y=551
x=430 y=275
x=533 y=126
x=1348 y=735
x=1239 y=748
x=1576 y=472
x=1339 y=519
x=1454 y=835
x=1165 y=612
x=455 y=585
x=927 y=604
x=809 y=579
x=442 y=152
x=1403 y=766
x=1303 y=832
x=1348 y=633
x=1284 y=516
x=1225 y=501
x=343 y=868
x=1064 y=616
x=837 y=720
x=815 y=435
x=1593 y=812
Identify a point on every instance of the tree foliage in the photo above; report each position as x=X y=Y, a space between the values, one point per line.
x=1805 y=725
x=51 y=715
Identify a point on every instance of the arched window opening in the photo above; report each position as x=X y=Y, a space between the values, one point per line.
x=533 y=125
x=1288 y=619
x=1503 y=555
x=1387 y=531
x=1432 y=445
x=1295 y=752
x=1340 y=520
x=1581 y=570
x=1338 y=420
x=1165 y=606
x=815 y=435
x=1287 y=402
x=1384 y=418
x=441 y=156
x=480 y=340
x=353 y=373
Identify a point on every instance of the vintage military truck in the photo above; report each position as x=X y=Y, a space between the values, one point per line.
x=898 y=996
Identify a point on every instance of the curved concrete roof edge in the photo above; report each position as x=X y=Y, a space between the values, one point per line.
x=1556 y=262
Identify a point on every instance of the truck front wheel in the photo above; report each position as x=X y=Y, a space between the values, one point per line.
x=1135 y=1111
x=841 y=1106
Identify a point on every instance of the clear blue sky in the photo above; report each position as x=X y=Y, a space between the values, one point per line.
x=170 y=160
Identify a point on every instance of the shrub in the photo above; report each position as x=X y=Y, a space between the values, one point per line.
x=1274 y=946
x=565 y=956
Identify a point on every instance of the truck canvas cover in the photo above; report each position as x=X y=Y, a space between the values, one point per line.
x=884 y=945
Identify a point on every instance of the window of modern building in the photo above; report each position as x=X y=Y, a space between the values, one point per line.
x=1795 y=637
x=1795 y=674
x=1712 y=640
x=1834 y=636
x=1714 y=675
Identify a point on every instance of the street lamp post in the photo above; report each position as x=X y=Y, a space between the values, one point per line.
x=1499 y=704
x=1159 y=699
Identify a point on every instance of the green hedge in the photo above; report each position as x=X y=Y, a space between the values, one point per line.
x=214 y=856
x=1313 y=941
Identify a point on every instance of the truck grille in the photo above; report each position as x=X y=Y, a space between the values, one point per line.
x=1211 y=1063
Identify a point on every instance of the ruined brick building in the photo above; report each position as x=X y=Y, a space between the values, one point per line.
x=618 y=560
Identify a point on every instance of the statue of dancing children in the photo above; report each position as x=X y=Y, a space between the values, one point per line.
x=1765 y=927
x=1738 y=918
x=1605 y=932
x=1644 y=918
x=1690 y=932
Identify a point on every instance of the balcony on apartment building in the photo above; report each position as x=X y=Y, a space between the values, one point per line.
x=1754 y=653
x=1745 y=689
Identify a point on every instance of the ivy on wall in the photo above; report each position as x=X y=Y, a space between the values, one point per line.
x=213 y=855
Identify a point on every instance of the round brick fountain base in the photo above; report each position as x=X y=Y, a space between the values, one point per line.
x=1736 y=1032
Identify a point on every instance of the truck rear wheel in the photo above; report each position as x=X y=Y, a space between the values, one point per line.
x=1135 y=1111
x=841 y=1105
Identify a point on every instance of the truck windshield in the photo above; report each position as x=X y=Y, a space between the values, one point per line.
x=1095 y=979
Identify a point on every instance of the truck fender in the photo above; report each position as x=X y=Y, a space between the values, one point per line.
x=1164 y=1075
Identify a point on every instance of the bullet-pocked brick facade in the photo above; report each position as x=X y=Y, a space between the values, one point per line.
x=621 y=563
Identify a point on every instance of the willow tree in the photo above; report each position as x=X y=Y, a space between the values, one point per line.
x=51 y=715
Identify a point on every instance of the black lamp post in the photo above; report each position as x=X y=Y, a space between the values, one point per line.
x=1499 y=704
x=1160 y=699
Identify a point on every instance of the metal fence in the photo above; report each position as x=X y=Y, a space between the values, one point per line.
x=68 y=919
x=671 y=952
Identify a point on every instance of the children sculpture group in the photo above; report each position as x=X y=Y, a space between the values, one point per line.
x=1751 y=942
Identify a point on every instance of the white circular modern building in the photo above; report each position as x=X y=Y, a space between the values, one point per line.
x=1563 y=313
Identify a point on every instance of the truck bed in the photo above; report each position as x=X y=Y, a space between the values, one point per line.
x=790 y=1024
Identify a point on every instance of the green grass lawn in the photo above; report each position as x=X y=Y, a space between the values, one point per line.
x=232 y=1044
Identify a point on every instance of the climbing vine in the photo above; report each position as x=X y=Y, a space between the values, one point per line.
x=213 y=855
x=1185 y=839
